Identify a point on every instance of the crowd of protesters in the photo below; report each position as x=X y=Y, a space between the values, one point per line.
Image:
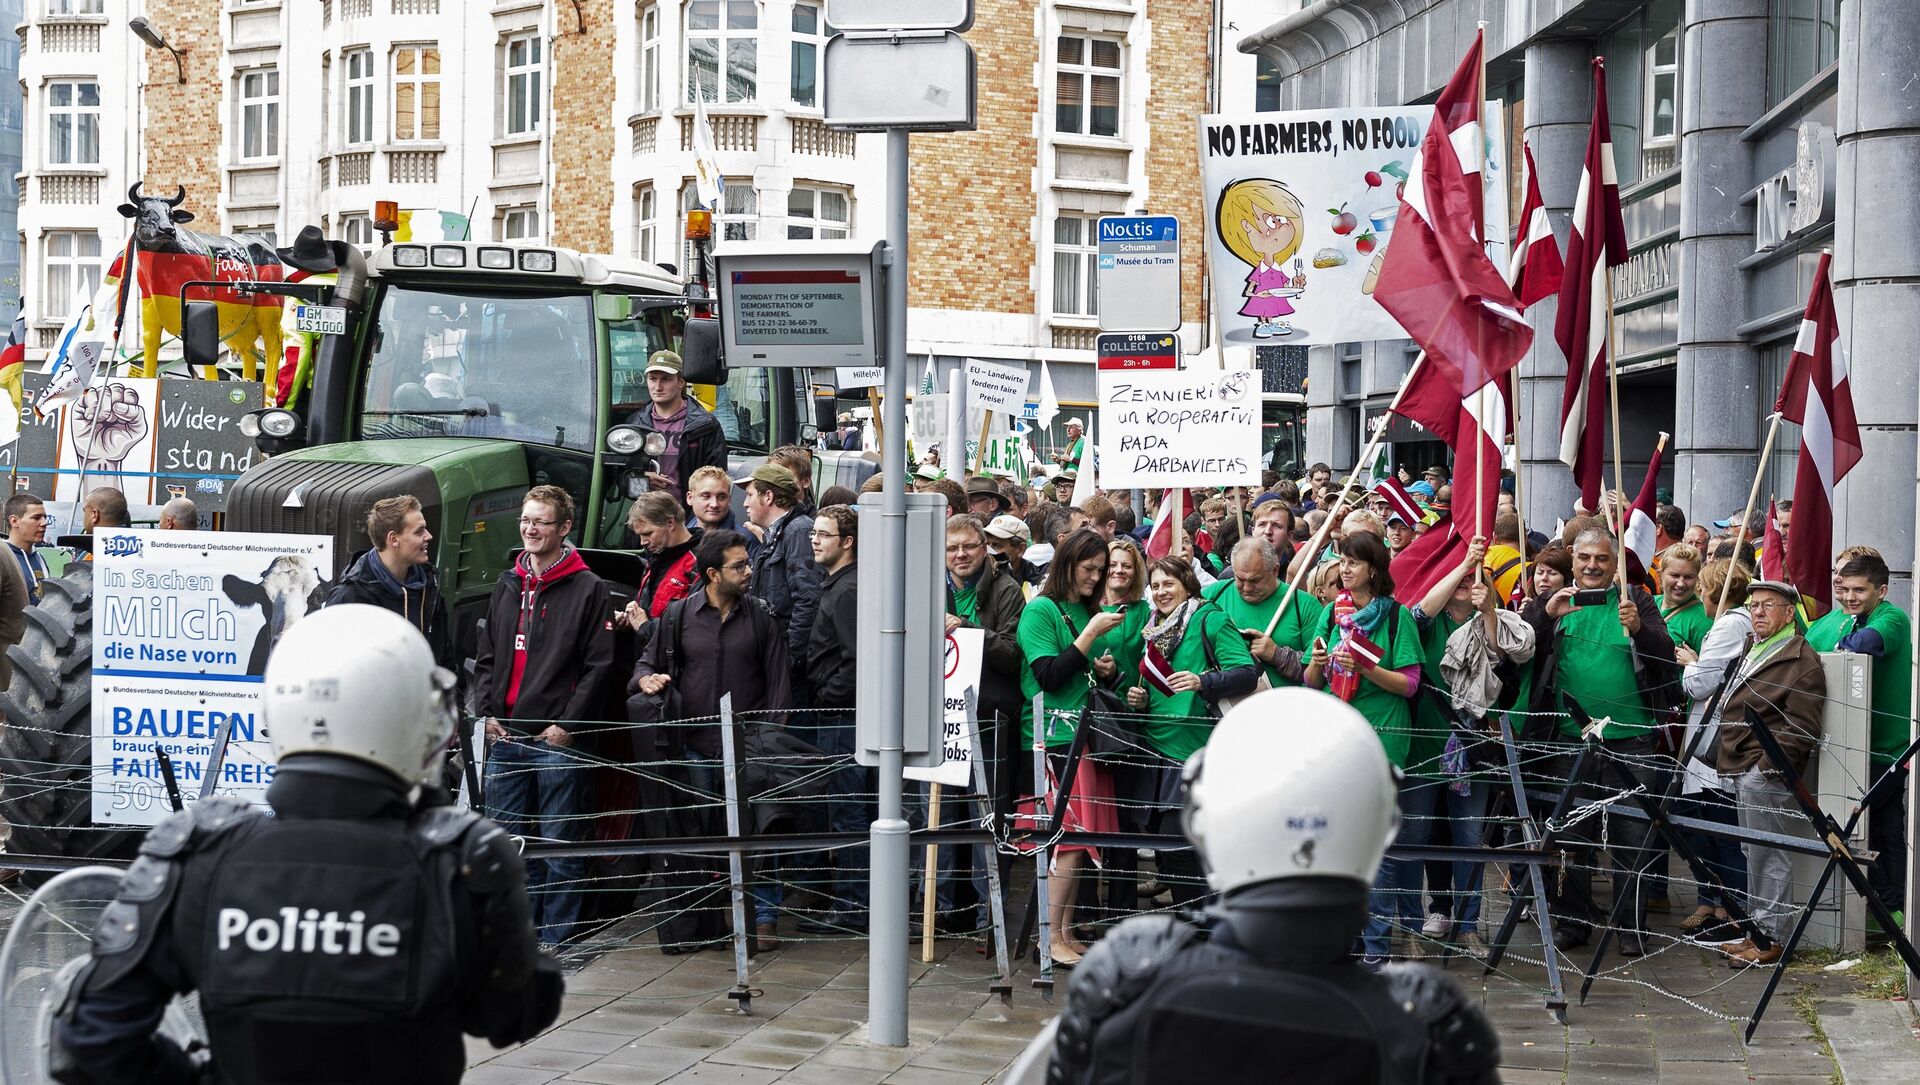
x=1120 y=635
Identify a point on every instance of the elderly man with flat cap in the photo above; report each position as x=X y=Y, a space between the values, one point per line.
x=694 y=437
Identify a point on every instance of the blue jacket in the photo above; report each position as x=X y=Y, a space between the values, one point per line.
x=786 y=577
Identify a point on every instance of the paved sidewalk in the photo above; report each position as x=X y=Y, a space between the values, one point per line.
x=637 y=1017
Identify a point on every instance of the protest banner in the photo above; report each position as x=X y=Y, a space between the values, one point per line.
x=1000 y=387
x=1302 y=206
x=1166 y=428
x=854 y=377
x=965 y=647
x=181 y=632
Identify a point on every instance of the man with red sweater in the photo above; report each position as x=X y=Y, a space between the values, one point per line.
x=543 y=665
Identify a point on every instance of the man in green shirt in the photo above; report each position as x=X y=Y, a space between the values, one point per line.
x=1864 y=621
x=1605 y=654
x=1250 y=600
x=1076 y=438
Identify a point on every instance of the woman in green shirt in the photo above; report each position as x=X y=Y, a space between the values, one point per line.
x=1365 y=613
x=1058 y=631
x=1679 y=601
x=1191 y=657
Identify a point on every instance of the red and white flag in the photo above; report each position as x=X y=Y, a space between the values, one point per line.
x=1172 y=511
x=1157 y=671
x=1399 y=499
x=1536 y=268
x=1475 y=420
x=1366 y=654
x=1816 y=394
x=1640 y=526
x=1582 y=326
x=1773 y=546
x=1435 y=278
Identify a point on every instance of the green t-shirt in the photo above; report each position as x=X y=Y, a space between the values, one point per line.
x=1124 y=642
x=1391 y=716
x=1294 y=630
x=1431 y=725
x=1687 y=625
x=1042 y=634
x=1595 y=661
x=1891 y=696
x=1180 y=723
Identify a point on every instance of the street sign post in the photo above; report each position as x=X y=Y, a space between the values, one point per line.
x=1139 y=273
x=1137 y=351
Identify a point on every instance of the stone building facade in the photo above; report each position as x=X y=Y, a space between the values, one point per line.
x=1750 y=135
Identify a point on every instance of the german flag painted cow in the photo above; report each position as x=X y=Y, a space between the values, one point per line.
x=167 y=257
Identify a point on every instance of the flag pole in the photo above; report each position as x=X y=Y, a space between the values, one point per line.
x=1519 y=488
x=1753 y=495
x=1480 y=228
x=986 y=427
x=1366 y=457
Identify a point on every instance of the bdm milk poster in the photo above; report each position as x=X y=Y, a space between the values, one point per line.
x=1301 y=207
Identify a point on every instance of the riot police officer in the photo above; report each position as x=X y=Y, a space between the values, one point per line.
x=1292 y=805
x=351 y=937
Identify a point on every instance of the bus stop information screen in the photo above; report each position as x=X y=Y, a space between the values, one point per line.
x=774 y=308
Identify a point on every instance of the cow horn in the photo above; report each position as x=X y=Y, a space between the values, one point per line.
x=133 y=194
x=179 y=197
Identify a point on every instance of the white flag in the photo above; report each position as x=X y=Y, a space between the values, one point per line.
x=953 y=453
x=706 y=161
x=77 y=354
x=1084 y=483
x=1049 y=406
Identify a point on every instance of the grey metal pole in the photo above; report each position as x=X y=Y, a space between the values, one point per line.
x=887 y=891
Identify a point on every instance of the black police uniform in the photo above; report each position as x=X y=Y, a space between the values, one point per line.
x=349 y=938
x=1261 y=988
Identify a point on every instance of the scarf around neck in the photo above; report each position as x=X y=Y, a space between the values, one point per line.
x=1166 y=633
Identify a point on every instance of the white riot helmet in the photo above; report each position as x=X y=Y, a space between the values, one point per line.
x=1292 y=783
x=359 y=681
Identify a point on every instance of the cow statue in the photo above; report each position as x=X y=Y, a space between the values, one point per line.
x=167 y=257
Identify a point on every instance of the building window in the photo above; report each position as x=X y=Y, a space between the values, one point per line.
x=1076 y=257
x=822 y=213
x=524 y=67
x=810 y=34
x=75 y=7
x=1803 y=38
x=1087 y=88
x=259 y=114
x=416 y=92
x=649 y=59
x=356 y=230
x=72 y=269
x=722 y=36
x=1643 y=63
x=1661 y=122
x=645 y=235
x=1266 y=83
x=359 y=97
x=520 y=224
x=268 y=230
x=73 y=124
x=739 y=215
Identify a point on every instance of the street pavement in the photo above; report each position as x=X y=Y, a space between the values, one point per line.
x=636 y=1017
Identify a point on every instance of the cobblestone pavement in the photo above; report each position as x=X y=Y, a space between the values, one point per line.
x=636 y=1017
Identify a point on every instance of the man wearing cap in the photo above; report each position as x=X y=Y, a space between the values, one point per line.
x=694 y=437
x=784 y=573
x=1008 y=537
x=1399 y=532
x=1076 y=431
x=1780 y=680
x=984 y=499
x=1063 y=486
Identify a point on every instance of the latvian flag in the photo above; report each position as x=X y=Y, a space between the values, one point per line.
x=1366 y=654
x=1536 y=267
x=1156 y=670
x=1399 y=499
x=1818 y=396
x=1640 y=525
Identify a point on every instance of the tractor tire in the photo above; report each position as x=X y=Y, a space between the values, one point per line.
x=46 y=740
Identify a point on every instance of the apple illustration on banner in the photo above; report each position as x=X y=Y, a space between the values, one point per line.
x=1344 y=221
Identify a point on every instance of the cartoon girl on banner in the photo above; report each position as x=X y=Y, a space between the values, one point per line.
x=1259 y=221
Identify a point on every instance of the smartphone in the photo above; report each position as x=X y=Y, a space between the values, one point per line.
x=1592 y=597
x=1319 y=644
x=1122 y=608
x=1251 y=634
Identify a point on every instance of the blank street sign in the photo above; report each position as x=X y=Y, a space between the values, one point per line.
x=863 y=15
x=923 y=83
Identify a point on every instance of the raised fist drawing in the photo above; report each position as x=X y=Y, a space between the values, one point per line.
x=107 y=424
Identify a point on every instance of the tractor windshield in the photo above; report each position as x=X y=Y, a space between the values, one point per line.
x=477 y=364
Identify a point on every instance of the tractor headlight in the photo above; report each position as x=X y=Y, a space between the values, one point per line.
x=278 y=423
x=624 y=440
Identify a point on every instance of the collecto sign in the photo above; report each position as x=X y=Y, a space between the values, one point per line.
x=1134 y=351
x=1179 y=428
x=182 y=625
x=1301 y=209
x=1139 y=273
x=961 y=667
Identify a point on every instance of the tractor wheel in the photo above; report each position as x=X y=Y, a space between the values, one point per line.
x=46 y=740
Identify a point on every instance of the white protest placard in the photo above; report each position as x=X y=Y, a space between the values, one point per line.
x=181 y=632
x=1162 y=428
x=1000 y=387
x=848 y=377
x=965 y=647
x=1301 y=207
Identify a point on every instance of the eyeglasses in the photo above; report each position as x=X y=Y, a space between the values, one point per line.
x=524 y=522
x=738 y=567
x=823 y=534
x=1757 y=607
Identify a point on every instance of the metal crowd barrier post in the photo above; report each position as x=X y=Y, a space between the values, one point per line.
x=730 y=746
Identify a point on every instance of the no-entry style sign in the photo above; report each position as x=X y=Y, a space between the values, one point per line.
x=1139 y=273
x=1137 y=351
